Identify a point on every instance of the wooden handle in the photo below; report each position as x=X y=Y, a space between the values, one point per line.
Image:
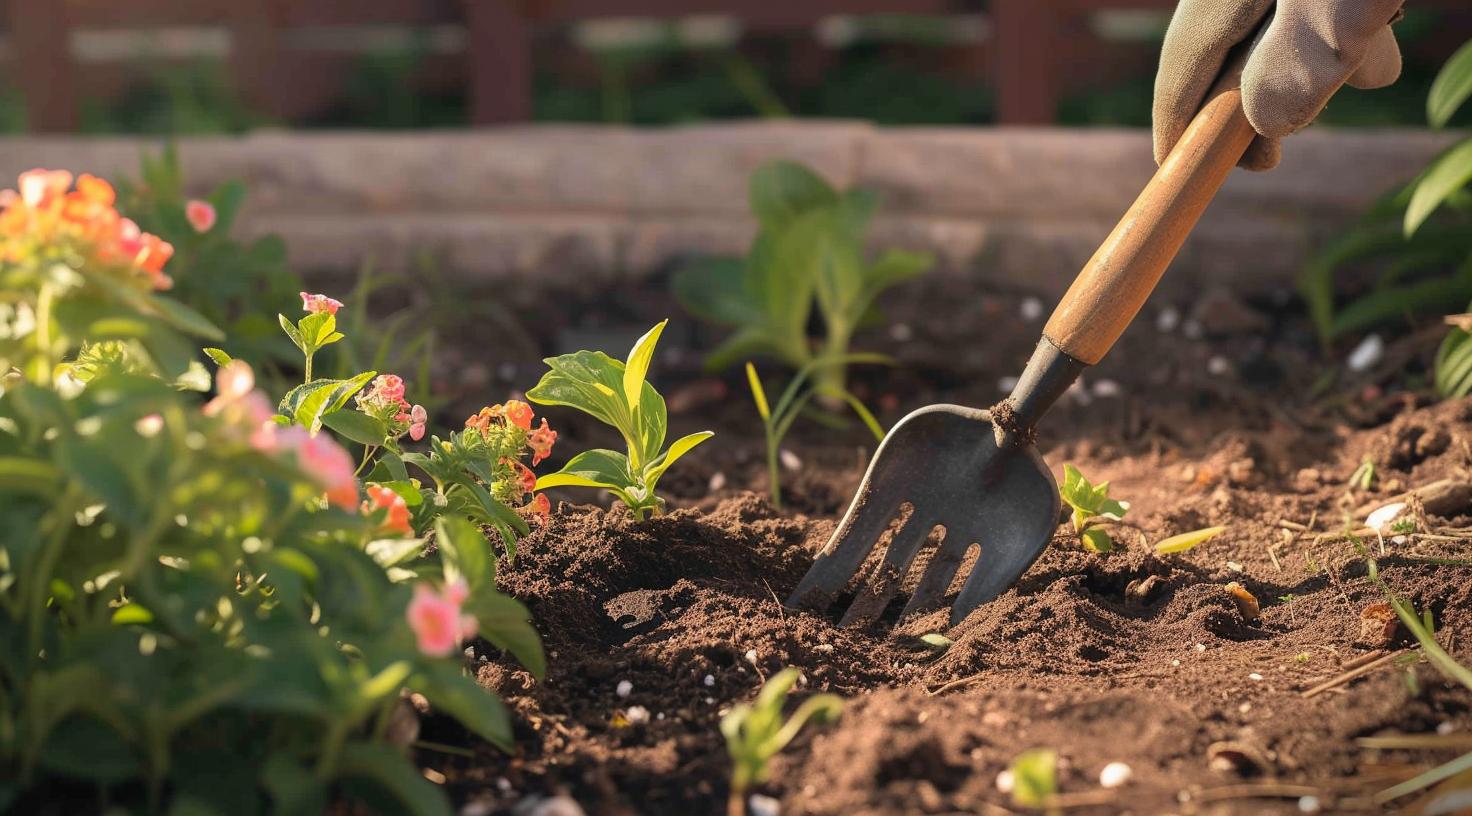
x=1114 y=284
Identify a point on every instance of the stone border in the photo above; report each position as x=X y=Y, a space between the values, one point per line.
x=1019 y=208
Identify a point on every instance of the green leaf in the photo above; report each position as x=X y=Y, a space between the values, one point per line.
x=593 y=383
x=1398 y=302
x=357 y=426
x=758 y=393
x=1448 y=173
x=678 y=448
x=1185 y=541
x=292 y=332
x=1096 y=540
x=715 y=289
x=318 y=329
x=1453 y=366
x=450 y=691
x=218 y=356
x=595 y=468
x=393 y=774
x=26 y=475
x=781 y=190
x=1452 y=86
x=186 y=319
x=465 y=553
x=1034 y=778
x=391 y=552
x=307 y=403
x=936 y=640
x=636 y=368
x=506 y=623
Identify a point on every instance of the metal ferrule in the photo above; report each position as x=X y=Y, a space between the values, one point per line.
x=1048 y=375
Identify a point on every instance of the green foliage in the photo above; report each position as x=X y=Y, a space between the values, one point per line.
x=1363 y=477
x=1090 y=503
x=1034 y=778
x=808 y=253
x=619 y=395
x=1419 y=238
x=756 y=732
x=1186 y=541
x=1453 y=367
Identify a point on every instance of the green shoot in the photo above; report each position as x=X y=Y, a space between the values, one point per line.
x=1034 y=778
x=756 y=732
x=1090 y=504
x=1364 y=475
x=1185 y=541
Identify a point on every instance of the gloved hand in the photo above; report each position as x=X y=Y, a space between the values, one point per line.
x=1310 y=48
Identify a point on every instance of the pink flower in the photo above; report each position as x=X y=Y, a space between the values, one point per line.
x=326 y=462
x=233 y=381
x=397 y=520
x=39 y=186
x=417 y=417
x=438 y=624
x=319 y=303
x=200 y=214
x=541 y=441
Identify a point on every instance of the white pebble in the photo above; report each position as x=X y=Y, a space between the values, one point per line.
x=1366 y=354
x=1115 y=774
x=1446 y=728
x=624 y=688
x=717 y=481
x=1218 y=366
x=503 y=784
x=1308 y=804
x=710 y=680
x=1031 y=308
x=1191 y=329
x=1254 y=677
x=1168 y=319
x=636 y=715
x=1175 y=662
x=659 y=716
x=1005 y=782
x=1006 y=384
x=1201 y=647
x=901 y=332
x=789 y=459
x=710 y=701
x=1381 y=518
x=1244 y=708
x=759 y=805
x=751 y=656
x=1106 y=389
x=1234 y=566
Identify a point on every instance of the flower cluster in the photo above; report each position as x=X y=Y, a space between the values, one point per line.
x=396 y=518
x=439 y=625
x=384 y=400
x=241 y=406
x=505 y=432
x=46 y=216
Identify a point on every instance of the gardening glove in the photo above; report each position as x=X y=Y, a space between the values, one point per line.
x=1310 y=48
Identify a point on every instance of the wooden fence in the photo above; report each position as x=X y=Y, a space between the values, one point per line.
x=1036 y=51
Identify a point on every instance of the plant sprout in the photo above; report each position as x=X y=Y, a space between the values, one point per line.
x=1034 y=778
x=1364 y=475
x=1185 y=541
x=755 y=732
x=617 y=394
x=1090 y=503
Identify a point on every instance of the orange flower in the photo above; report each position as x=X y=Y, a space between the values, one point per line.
x=524 y=476
x=519 y=414
x=398 y=510
x=541 y=441
x=539 y=509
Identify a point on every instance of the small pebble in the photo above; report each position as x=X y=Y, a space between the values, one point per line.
x=1168 y=319
x=1218 y=366
x=623 y=688
x=636 y=715
x=1115 y=774
x=751 y=656
x=1191 y=329
x=760 y=805
x=1031 y=309
x=1106 y=389
x=1382 y=518
x=1244 y=708
x=503 y=784
x=710 y=680
x=717 y=481
x=790 y=460
x=901 y=332
x=659 y=716
x=1366 y=354
x=1308 y=804
x=1254 y=677
x=1201 y=647
x=710 y=701
x=1445 y=728
x=1005 y=782
x=1234 y=566
x=1175 y=662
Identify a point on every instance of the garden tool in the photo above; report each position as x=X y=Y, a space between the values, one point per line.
x=976 y=473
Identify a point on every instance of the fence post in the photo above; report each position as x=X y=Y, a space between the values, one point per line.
x=498 y=59
x=1027 y=82
x=46 y=68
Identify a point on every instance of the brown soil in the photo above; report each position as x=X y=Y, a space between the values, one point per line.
x=1129 y=657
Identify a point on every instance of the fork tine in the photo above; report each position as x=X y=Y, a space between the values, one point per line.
x=867 y=519
x=903 y=548
x=1004 y=557
x=939 y=573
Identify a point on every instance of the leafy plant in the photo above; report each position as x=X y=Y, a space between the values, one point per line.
x=756 y=732
x=1425 y=262
x=202 y=609
x=1091 y=504
x=1363 y=477
x=617 y=394
x=808 y=252
x=795 y=397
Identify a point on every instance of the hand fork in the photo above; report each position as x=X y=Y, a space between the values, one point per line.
x=976 y=473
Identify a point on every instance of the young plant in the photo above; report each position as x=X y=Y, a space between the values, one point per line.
x=756 y=732
x=1034 y=776
x=617 y=394
x=809 y=252
x=795 y=397
x=1187 y=541
x=1091 y=504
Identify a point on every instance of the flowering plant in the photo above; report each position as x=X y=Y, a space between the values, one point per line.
x=617 y=394
x=187 y=586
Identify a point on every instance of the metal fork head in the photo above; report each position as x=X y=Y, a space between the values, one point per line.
x=945 y=462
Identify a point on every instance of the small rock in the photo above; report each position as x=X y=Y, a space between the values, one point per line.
x=760 y=805
x=1366 y=354
x=1308 y=804
x=1446 y=728
x=1378 y=624
x=1307 y=478
x=1005 y=782
x=1115 y=774
x=1168 y=319
x=636 y=715
x=555 y=806
x=751 y=656
x=1239 y=472
x=1218 y=366
x=710 y=680
x=624 y=688
x=717 y=481
x=1107 y=389
x=789 y=460
x=901 y=333
x=1031 y=309
x=1254 y=677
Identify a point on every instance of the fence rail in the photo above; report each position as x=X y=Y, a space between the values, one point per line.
x=1036 y=51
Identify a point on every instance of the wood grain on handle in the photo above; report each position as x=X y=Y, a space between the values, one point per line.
x=1114 y=284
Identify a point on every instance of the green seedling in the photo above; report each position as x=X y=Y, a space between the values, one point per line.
x=1090 y=503
x=756 y=732
x=1185 y=541
x=1034 y=778
x=1364 y=476
x=617 y=394
x=795 y=397
x=808 y=253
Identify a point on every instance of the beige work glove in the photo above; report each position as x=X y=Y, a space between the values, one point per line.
x=1310 y=48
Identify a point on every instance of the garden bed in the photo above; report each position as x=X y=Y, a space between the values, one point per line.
x=1129 y=657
